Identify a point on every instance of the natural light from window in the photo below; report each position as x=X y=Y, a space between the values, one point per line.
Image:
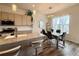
x=61 y=23
x=41 y=25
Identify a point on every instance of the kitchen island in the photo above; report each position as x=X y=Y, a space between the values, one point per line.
x=21 y=39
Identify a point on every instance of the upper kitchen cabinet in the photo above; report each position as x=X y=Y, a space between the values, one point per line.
x=18 y=20
x=11 y=16
x=5 y=15
x=19 y=17
x=28 y=21
x=0 y=16
x=24 y=20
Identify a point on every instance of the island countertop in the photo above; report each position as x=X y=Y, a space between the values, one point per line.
x=21 y=38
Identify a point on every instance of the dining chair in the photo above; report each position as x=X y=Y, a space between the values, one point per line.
x=62 y=38
x=11 y=52
x=58 y=31
x=43 y=32
x=49 y=34
x=50 y=37
x=52 y=30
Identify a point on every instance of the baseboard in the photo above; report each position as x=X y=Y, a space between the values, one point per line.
x=73 y=42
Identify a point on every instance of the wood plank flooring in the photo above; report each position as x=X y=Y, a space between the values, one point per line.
x=70 y=49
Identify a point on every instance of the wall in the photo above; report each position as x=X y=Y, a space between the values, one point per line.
x=73 y=11
x=37 y=17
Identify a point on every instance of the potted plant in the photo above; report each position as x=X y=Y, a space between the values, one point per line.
x=29 y=13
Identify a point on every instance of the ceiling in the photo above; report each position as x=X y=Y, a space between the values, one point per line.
x=46 y=8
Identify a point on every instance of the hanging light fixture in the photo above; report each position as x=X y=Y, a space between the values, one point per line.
x=14 y=7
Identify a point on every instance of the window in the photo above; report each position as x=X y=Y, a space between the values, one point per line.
x=61 y=23
x=41 y=24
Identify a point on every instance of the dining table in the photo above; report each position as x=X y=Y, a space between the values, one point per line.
x=57 y=35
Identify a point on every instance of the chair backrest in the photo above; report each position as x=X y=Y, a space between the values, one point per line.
x=52 y=30
x=49 y=35
x=11 y=51
x=63 y=35
x=43 y=32
x=58 y=31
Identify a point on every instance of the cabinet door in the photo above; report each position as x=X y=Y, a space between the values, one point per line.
x=11 y=16
x=24 y=20
x=0 y=16
x=5 y=15
x=18 y=20
x=29 y=20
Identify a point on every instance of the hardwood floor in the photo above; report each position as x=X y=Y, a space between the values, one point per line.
x=70 y=49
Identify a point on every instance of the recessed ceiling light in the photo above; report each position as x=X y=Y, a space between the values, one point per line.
x=14 y=7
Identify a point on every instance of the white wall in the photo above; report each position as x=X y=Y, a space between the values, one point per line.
x=36 y=18
x=74 y=22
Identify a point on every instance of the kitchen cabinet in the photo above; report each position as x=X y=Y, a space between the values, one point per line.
x=18 y=20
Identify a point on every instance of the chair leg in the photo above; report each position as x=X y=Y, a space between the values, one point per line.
x=63 y=42
x=36 y=52
x=57 y=44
